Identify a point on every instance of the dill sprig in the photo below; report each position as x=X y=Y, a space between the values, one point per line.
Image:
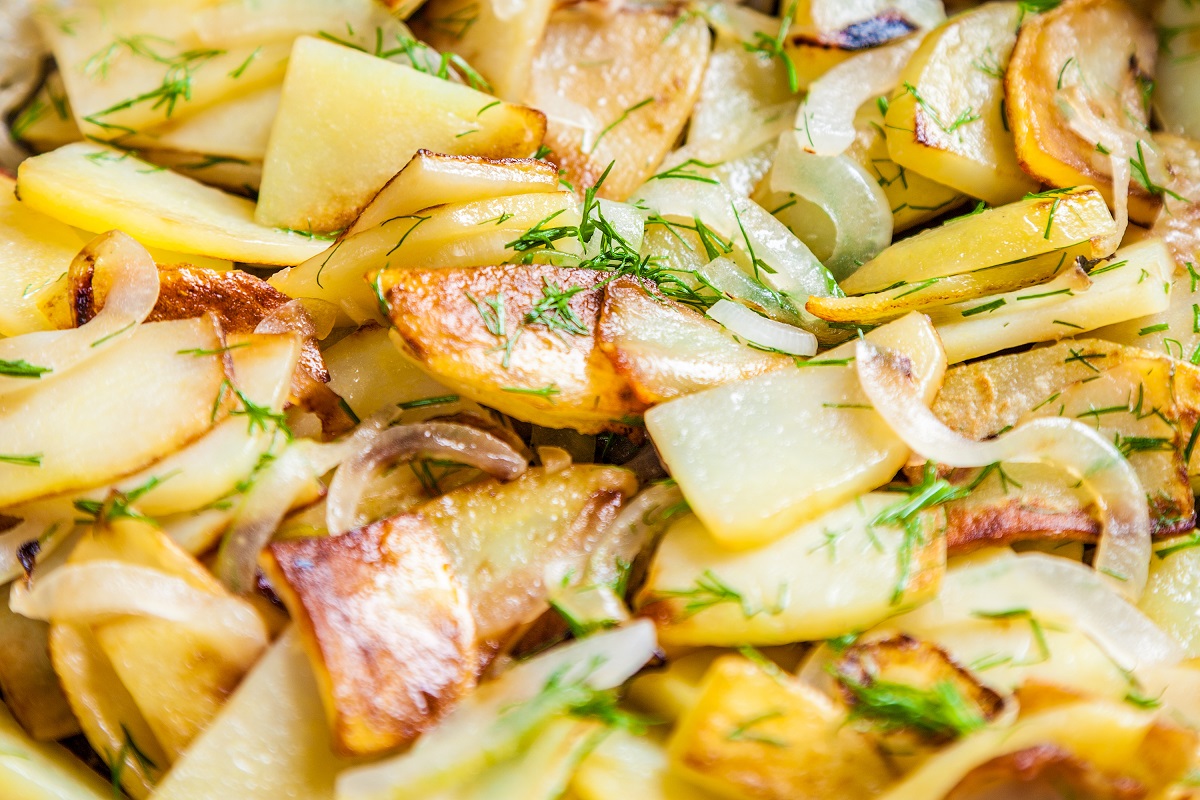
x=118 y=504
x=22 y=369
x=941 y=712
x=421 y=57
x=774 y=46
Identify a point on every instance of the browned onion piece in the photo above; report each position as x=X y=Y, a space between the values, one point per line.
x=309 y=317
x=460 y=443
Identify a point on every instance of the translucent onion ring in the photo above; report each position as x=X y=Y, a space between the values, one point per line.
x=1123 y=553
x=309 y=317
x=631 y=531
x=98 y=590
x=45 y=355
x=461 y=443
x=759 y=330
x=826 y=117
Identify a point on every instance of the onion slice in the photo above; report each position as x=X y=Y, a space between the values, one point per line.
x=826 y=117
x=99 y=590
x=460 y=443
x=852 y=199
x=634 y=529
x=35 y=358
x=1123 y=553
x=758 y=330
x=309 y=317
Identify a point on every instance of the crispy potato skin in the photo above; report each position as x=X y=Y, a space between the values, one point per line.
x=386 y=625
x=435 y=315
x=971 y=526
x=1050 y=767
x=1106 y=31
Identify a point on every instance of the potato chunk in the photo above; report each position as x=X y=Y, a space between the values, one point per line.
x=1100 y=53
x=387 y=625
x=500 y=336
x=326 y=159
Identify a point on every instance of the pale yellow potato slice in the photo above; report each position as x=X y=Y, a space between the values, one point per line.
x=459 y=235
x=370 y=373
x=627 y=765
x=1098 y=53
x=142 y=385
x=32 y=770
x=836 y=574
x=1075 y=218
x=1178 y=67
x=98 y=189
x=760 y=734
x=226 y=23
x=237 y=129
x=35 y=250
x=1171 y=596
x=542 y=770
x=326 y=160
x=947 y=119
x=435 y=179
x=46 y=121
x=502 y=49
x=1140 y=286
x=757 y=458
x=617 y=89
x=133 y=65
x=275 y=724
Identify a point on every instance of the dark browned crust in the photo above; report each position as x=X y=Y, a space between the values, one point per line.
x=863 y=35
x=971 y=527
x=1046 y=767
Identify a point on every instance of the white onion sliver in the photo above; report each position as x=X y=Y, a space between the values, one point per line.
x=490 y=724
x=852 y=199
x=460 y=443
x=826 y=117
x=130 y=300
x=306 y=316
x=1121 y=145
x=98 y=590
x=759 y=330
x=1123 y=553
x=631 y=531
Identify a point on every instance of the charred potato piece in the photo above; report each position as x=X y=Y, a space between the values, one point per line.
x=814 y=51
x=639 y=68
x=1102 y=54
x=667 y=350
x=757 y=735
x=520 y=339
x=387 y=626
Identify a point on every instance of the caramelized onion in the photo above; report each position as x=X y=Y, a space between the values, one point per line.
x=99 y=590
x=45 y=355
x=1123 y=554
x=825 y=120
x=460 y=443
x=632 y=531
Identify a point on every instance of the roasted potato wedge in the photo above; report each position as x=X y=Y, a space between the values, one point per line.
x=819 y=42
x=793 y=443
x=1074 y=220
x=1099 y=53
x=387 y=625
x=520 y=339
x=795 y=588
x=753 y=735
x=324 y=162
x=641 y=66
x=667 y=350
x=947 y=122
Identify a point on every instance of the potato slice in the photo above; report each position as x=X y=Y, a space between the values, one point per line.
x=499 y=41
x=96 y=188
x=325 y=161
x=467 y=234
x=435 y=179
x=626 y=765
x=275 y=724
x=387 y=626
x=369 y=373
x=948 y=122
x=46 y=121
x=1178 y=67
x=667 y=350
x=933 y=292
x=479 y=332
x=143 y=384
x=1102 y=54
x=617 y=88
x=792 y=444
x=33 y=770
x=796 y=588
x=1138 y=283
x=236 y=130
x=1075 y=220
x=754 y=735
x=36 y=251
x=668 y=693
x=31 y=689
x=224 y=23
x=814 y=51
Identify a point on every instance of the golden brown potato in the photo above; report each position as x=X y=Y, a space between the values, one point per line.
x=667 y=350
x=31 y=689
x=387 y=626
x=520 y=339
x=1101 y=53
x=758 y=735
x=636 y=73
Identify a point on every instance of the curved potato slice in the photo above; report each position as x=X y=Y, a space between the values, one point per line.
x=387 y=625
x=34 y=770
x=667 y=350
x=1101 y=53
x=518 y=338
